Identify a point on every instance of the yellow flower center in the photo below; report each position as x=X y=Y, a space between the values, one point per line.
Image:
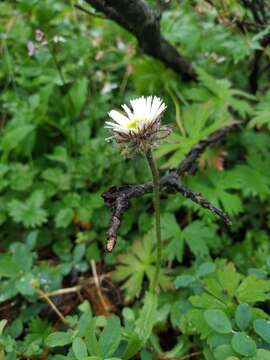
x=132 y=124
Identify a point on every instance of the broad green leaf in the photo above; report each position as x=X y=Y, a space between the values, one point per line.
x=196 y=235
x=26 y=284
x=77 y=96
x=261 y=354
x=253 y=289
x=144 y=326
x=229 y=278
x=223 y=352
x=184 y=281
x=64 y=217
x=243 y=344
x=243 y=316
x=110 y=337
x=262 y=328
x=13 y=137
x=84 y=324
x=8 y=267
x=59 y=339
x=135 y=344
x=147 y=317
x=91 y=340
x=79 y=348
x=218 y=321
x=137 y=263
x=205 y=269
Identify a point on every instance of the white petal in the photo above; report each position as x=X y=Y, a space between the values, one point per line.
x=118 y=117
x=128 y=111
x=115 y=127
x=138 y=106
x=158 y=107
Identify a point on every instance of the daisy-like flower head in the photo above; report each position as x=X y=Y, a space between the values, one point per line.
x=139 y=126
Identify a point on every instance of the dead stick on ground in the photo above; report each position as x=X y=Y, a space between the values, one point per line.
x=189 y=356
x=64 y=291
x=53 y=306
x=76 y=288
x=96 y=280
x=185 y=357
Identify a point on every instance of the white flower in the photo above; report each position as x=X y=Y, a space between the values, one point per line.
x=139 y=126
x=59 y=39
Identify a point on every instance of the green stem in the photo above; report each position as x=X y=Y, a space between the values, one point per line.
x=156 y=200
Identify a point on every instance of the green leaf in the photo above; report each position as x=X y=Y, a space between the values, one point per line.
x=91 y=340
x=137 y=263
x=144 y=326
x=64 y=217
x=261 y=116
x=229 y=278
x=77 y=96
x=30 y=211
x=79 y=348
x=59 y=339
x=110 y=337
x=184 y=281
x=218 y=321
x=26 y=284
x=84 y=323
x=253 y=289
x=243 y=316
x=171 y=235
x=196 y=235
x=262 y=328
x=2 y=325
x=8 y=267
x=147 y=317
x=12 y=137
x=261 y=354
x=223 y=352
x=243 y=344
x=205 y=269
x=22 y=256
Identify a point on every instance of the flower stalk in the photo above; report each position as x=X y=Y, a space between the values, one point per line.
x=156 y=200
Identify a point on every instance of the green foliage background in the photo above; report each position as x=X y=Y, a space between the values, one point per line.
x=55 y=164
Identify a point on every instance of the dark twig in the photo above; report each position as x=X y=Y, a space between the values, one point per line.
x=117 y=198
x=188 y=163
x=143 y=22
x=201 y=201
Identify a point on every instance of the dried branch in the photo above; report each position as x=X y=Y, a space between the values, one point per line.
x=188 y=163
x=197 y=198
x=97 y=283
x=117 y=198
x=43 y=295
x=144 y=23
